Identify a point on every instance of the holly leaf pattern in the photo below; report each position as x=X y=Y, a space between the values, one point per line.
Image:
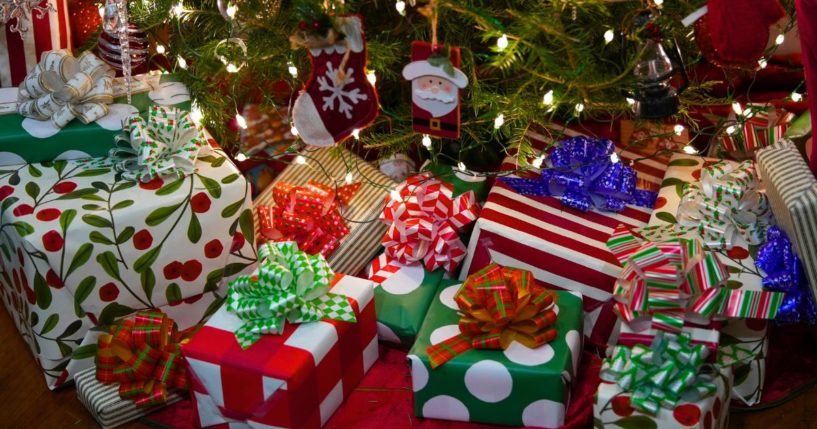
x=146 y=261
x=84 y=352
x=80 y=258
x=107 y=260
x=86 y=286
x=148 y=282
x=232 y=209
x=171 y=187
x=125 y=235
x=684 y=162
x=23 y=228
x=42 y=291
x=34 y=171
x=213 y=187
x=161 y=214
x=113 y=311
x=32 y=190
x=636 y=422
x=50 y=323
x=96 y=221
x=173 y=293
x=247 y=226
x=100 y=238
x=194 y=229
x=79 y=193
x=666 y=217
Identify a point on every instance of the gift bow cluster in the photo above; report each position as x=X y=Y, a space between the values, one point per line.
x=289 y=286
x=661 y=375
x=424 y=223
x=143 y=355
x=668 y=282
x=498 y=306
x=586 y=174
x=309 y=215
x=784 y=274
x=167 y=142
x=760 y=129
x=61 y=88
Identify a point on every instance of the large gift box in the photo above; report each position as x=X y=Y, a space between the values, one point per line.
x=518 y=386
x=26 y=140
x=329 y=167
x=295 y=379
x=82 y=246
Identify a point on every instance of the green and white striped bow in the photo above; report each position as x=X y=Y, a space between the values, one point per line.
x=289 y=286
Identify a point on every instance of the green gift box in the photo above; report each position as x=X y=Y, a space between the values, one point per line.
x=462 y=182
x=518 y=386
x=25 y=140
x=403 y=294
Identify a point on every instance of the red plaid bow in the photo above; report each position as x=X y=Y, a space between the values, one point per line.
x=143 y=355
x=498 y=306
x=424 y=223
x=309 y=215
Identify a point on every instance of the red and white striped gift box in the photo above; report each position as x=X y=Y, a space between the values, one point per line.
x=294 y=380
x=19 y=53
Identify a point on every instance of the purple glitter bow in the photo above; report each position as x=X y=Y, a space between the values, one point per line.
x=583 y=174
x=777 y=259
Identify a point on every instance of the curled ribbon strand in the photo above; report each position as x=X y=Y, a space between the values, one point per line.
x=425 y=221
x=143 y=355
x=582 y=172
x=289 y=286
x=167 y=142
x=310 y=215
x=784 y=274
x=662 y=375
x=62 y=87
x=671 y=281
x=497 y=307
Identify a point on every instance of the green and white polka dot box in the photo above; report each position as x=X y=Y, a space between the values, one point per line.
x=518 y=386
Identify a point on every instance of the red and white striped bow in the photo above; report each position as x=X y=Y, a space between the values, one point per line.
x=424 y=223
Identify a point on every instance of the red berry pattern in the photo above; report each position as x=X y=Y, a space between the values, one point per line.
x=173 y=270
x=238 y=242
x=54 y=280
x=52 y=241
x=687 y=414
x=660 y=202
x=5 y=191
x=621 y=406
x=64 y=187
x=108 y=292
x=47 y=215
x=737 y=253
x=154 y=184
x=213 y=248
x=23 y=210
x=200 y=203
x=191 y=270
x=142 y=240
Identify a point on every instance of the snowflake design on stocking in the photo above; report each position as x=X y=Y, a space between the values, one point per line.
x=335 y=86
x=22 y=11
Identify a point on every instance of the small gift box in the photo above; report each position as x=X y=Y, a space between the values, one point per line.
x=526 y=384
x=462 y=182
x=354 y=249
x=760 y=126
x=290 y=367
x=41 y=126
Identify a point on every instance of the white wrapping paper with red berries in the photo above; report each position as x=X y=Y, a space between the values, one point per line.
x=81 y=247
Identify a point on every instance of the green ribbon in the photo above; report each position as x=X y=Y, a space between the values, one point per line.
x=662 y=375
x=289 y=286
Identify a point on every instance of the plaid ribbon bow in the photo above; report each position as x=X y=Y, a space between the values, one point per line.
x=498 y=306
x=424 y=223
x=289 y=285
x=143 y=355
x=310 y=215
x=668 y=281
x=660 y=375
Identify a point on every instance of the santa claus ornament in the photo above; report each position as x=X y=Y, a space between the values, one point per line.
x=337 y=99
x=436 y=81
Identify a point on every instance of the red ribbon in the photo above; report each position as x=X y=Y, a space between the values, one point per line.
x=309 y=215
x=143 y=355
x=424 y=223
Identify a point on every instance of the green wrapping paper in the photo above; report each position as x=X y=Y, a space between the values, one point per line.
x=24 y=140
x=403 y=294
x=518 y=386
x=462 y=182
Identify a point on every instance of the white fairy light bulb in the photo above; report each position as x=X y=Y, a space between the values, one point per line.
x=658 y=3
x=231 y=68
x=548 y=98
x=371 y=77
x=102 y=12
x=614 y=158
x=293 y=131
x=779 y=39
x=499 y=121
x=349 y=178
x=240 y=121
x=241 y=157
x=231 y=10
x=293 y=71
x=762 y=63
x=195 y=114
x=461 y=166
x=731 y=129
x=356 y=134
x=537 y=162
x=609 y=35
x=160 y=49
x=502 y=42
x=182 y=63
x=737 y=108
x=579 y=107
x=679 y=129
x=177 y=10
x=401 y=7
x=300 y=160
x=426 y=141
x=395 y=195
x=630 y=101
x=689 y=149
x=796 y=96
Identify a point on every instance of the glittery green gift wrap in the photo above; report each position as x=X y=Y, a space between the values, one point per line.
x=518 y=386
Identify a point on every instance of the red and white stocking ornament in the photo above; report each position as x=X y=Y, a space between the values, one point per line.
x=336 y=102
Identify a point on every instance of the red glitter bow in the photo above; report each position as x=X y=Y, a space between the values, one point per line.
x=424 y=223
x=498 y=306
x=143 y=355
x=309 y=215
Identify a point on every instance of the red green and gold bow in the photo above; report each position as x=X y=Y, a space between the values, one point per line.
x=662 y=374
x=143 y=355
x=289 y=286
x=667 y=281
x=310 y=215
x=497 y=307
x=424 y=223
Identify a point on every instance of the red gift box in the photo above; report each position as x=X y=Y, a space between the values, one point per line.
x=293 y=380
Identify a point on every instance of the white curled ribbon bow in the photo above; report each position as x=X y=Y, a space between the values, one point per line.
x=62 y=87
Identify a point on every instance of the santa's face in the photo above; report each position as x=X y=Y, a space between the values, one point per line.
x=434 y=94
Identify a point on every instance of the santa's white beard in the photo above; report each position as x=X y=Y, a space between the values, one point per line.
x=435 y=96
x=434 y=107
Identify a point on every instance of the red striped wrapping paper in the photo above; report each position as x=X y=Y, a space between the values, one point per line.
x=294 y=380
x=19 y=53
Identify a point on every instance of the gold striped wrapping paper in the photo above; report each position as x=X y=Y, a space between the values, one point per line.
x=362 y=244
x=104 y=403
x=792 y=191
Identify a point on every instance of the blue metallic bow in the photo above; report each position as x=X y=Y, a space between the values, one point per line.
x=783 y=274
x=582 y=172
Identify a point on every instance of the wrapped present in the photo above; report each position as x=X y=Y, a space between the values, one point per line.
x=27 y=139
x=461 y=181
x=563 y=247
x=518 y=386
x=761 y=127
x=84 y=246
x=141 y=357
x=355 y=249
x=297 y=372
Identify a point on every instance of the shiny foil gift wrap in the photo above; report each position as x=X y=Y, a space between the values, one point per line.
x=586 y=173
x=784 y=274
x=425 y=221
